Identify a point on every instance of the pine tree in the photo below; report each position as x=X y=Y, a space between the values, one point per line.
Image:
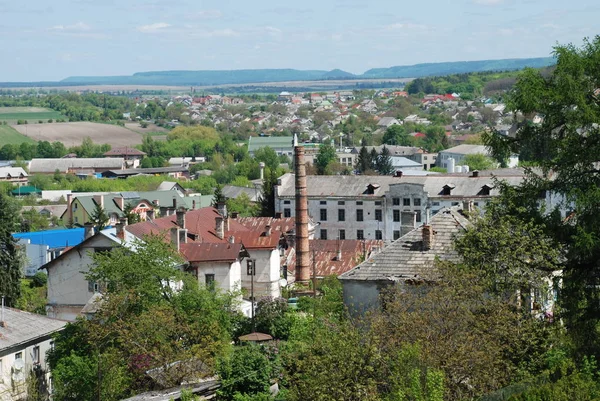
x=218 y=196
x=267 y=196
x=384 y=162
x=10 y=256
x=99 y=217
x=373 y=159
x=363 y=162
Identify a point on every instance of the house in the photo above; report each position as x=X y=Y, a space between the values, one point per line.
x=385 y=207
x=282 y=145
x=387 y=122
x=132 y=156
x=173 y=171
x=427 y=160
x=407 y=261
x=40 y=247
x=75 y=165
x=232 y=192
x=68 y=289
x=458 y=154
x=25 y=339
x=14 y=175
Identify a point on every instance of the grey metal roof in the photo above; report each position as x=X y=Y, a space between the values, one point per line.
x=21 y=327
x=12 y=172
x=465 y=185
x=232 y=191
x=405 y=258
x=63 y=165
x=467 y=150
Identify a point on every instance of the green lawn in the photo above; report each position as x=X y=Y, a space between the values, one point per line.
x=9 y=135
x=31 y=114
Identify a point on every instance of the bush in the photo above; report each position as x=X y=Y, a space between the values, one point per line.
x=21 y=122
x=50 y=120
x=39 y=280
x=40 y=121
x=143 y=124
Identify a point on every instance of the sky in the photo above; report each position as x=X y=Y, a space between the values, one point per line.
x=43 y=40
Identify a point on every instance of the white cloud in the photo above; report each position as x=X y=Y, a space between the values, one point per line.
x=152 y=28
x=488 y=2
x=77 y=27
x=400 y=26
x=208 y=14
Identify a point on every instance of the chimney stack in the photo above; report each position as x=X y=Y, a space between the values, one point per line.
x=120 y=227
x=174 y=203
x=234 y=215
x=302 y=245
x=467 y=206
x=180 y=217
x=175 y=237
x=88 y=230
x=220 y=227
x=150 y=214
x=193 y=204
x=69 y=206
x=398 y=174
x=475 y=174
x=222 y=209
x=262 y=170
x=231 y=239
x=268 y=230
x=427 y=237
x=339 y=254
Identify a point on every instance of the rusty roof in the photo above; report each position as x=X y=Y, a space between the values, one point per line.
x=284 y=225
x=325 y=255
x=210 y=252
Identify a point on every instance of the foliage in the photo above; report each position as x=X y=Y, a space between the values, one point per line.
x=267 y=156
x=363 y=162
x=99 y=218
x=267 y=196
x=384 y=162
x=10 y=257
x=397 y=135
x=243 y=206
x=566 y=143
x=479 y=162
x=325 y=158
x=33 y=295
x=246 y=371
x=129 y=213
x=218 y=196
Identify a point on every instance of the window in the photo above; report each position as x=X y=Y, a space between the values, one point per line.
x=396 y=234
x=418 y=217
x=93 y=286
x=396 y=201
x=36 y=355
x=286 y=202
x=360 y=234
x=341 y=214
x=378 y=215
x=341 y=202
x=396 y=215
x=342 y=234
x=436 y=203
x=406 y=201
x=424 y=157
x=75 y=207
x=323 y=214
x=359 y=215
x=377 y=203
x=209 y=280
x=323 y=234
x=18 y=355
x=76 y=219
x=322 y=202
x=378 y=234
x=287 y=212
x=454 y=203
x=359 y=203
x=417 y=201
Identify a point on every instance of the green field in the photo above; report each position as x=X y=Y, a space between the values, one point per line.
x=31 y=114
x=9 y=135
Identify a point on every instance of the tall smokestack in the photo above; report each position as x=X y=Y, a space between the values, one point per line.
x=302 y=247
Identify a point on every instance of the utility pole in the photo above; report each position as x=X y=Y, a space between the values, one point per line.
x=251 y=271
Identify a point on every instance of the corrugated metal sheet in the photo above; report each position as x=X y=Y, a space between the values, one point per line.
x=21 y=327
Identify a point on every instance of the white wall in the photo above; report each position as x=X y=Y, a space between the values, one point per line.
x=227 y=276
x=6 y=371
x=268 y=272
x=36 y=256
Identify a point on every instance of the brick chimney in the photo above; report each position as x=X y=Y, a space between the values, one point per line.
x=180 y=218
x=268 y=231
x=175 y=237
x=220 y=227
x=427 y=232
x=120 y=227
x=69 y=207
x=99 y=199
x=302 y=244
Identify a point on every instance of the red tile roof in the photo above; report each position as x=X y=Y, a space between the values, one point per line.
x=325 y=254
x=206 y=252
x=284 y=225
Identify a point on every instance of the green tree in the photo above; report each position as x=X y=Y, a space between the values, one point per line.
x=479 y=162
x=325 y=158
x=268 y=156
x=363 y=162
x=129 y=213
x=397 y=135
x=384 y=162
x=218 y=196
x=10 y=256
x=565 y=143
x=267 y=196
x=246 y=371
x=99 y=218
x=243 y=205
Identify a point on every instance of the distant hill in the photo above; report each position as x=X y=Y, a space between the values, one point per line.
x=238 y=77
x=457 y=67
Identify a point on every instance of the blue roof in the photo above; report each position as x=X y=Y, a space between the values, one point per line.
x=54 y=238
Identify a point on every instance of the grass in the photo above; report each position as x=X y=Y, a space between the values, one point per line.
x=32 y=114
x=9 y=135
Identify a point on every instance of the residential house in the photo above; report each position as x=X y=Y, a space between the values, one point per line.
x=406 y=262
x=14 y=175
x=75 y=165
x=40 y=247
x=132 y=156
x=426 y=160
x=384 y=207
x=387 y=122
x=458 y=154
x=25 y=339
x=282 y=145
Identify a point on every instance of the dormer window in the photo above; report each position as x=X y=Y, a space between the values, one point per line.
x=371 y=188
x=447 y=189
x=485 y=190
